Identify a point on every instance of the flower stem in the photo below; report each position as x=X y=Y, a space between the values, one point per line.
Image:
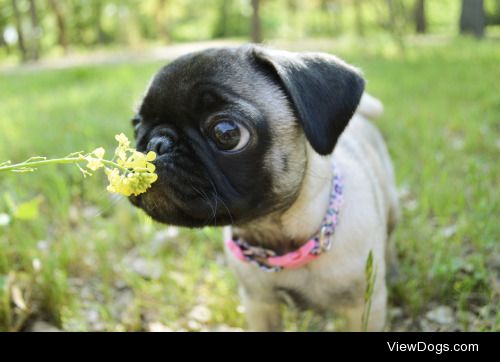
x=29 y=164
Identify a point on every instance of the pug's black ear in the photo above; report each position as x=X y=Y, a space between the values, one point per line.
x=324 y=91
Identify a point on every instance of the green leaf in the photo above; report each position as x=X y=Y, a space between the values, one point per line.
x=369 y=265
x=28 y=210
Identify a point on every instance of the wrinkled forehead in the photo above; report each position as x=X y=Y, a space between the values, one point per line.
x=224 y=67
x=213 y=72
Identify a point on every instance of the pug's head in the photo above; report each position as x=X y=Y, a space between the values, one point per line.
x=230 y=128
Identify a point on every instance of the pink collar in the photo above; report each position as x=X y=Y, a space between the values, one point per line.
x=267 y=259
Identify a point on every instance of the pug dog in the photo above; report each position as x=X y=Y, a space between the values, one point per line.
x=259 y=140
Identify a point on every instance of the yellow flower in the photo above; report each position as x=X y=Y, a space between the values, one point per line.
x=134 y=183
x=123 y=141
x=123 y=147
x=94 y=159
x=115 y=184
x=140 y=161
x=99 y=152
x=94 y=164
x=140 y=171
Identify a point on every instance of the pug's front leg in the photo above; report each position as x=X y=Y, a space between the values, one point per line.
x=262 y=316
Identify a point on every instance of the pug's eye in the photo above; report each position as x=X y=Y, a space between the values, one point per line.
x=229 y=136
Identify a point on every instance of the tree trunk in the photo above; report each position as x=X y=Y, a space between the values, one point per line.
x=97 y=12
x=338 y=18
x=294 y=25
x=472 y=18
x=221 y=29
x=358 y=12
x=78 y=25
x=395 y=23
x=19 y=29
x=4 y=44
x=62 y=36
x=161 y=20
x=256 y=25
x=35 y=32
x=392 y=15
x=420 y=18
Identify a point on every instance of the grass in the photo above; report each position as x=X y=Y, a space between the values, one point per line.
x=82 y=259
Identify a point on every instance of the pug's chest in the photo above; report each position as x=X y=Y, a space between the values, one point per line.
x=320 y=295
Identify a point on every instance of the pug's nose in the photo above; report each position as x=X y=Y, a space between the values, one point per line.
x=163 y=143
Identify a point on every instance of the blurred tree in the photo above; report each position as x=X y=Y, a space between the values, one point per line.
x=161 y=20
x=77 y=20
x=19 y=29
x=492 y=9
x=74 y=19
x=292 y=8
x=333 y=9
x=230 y=19
x=472 y=18
x=3 y=24
x=4 y=44
x=397 y=21
x=420 y=18
x=62 y=35
x=97 y=21
x=35 y=33
x=358 y=13
x=256 y=22
x=336 y=7
x=87 y=23
x=223 y=13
